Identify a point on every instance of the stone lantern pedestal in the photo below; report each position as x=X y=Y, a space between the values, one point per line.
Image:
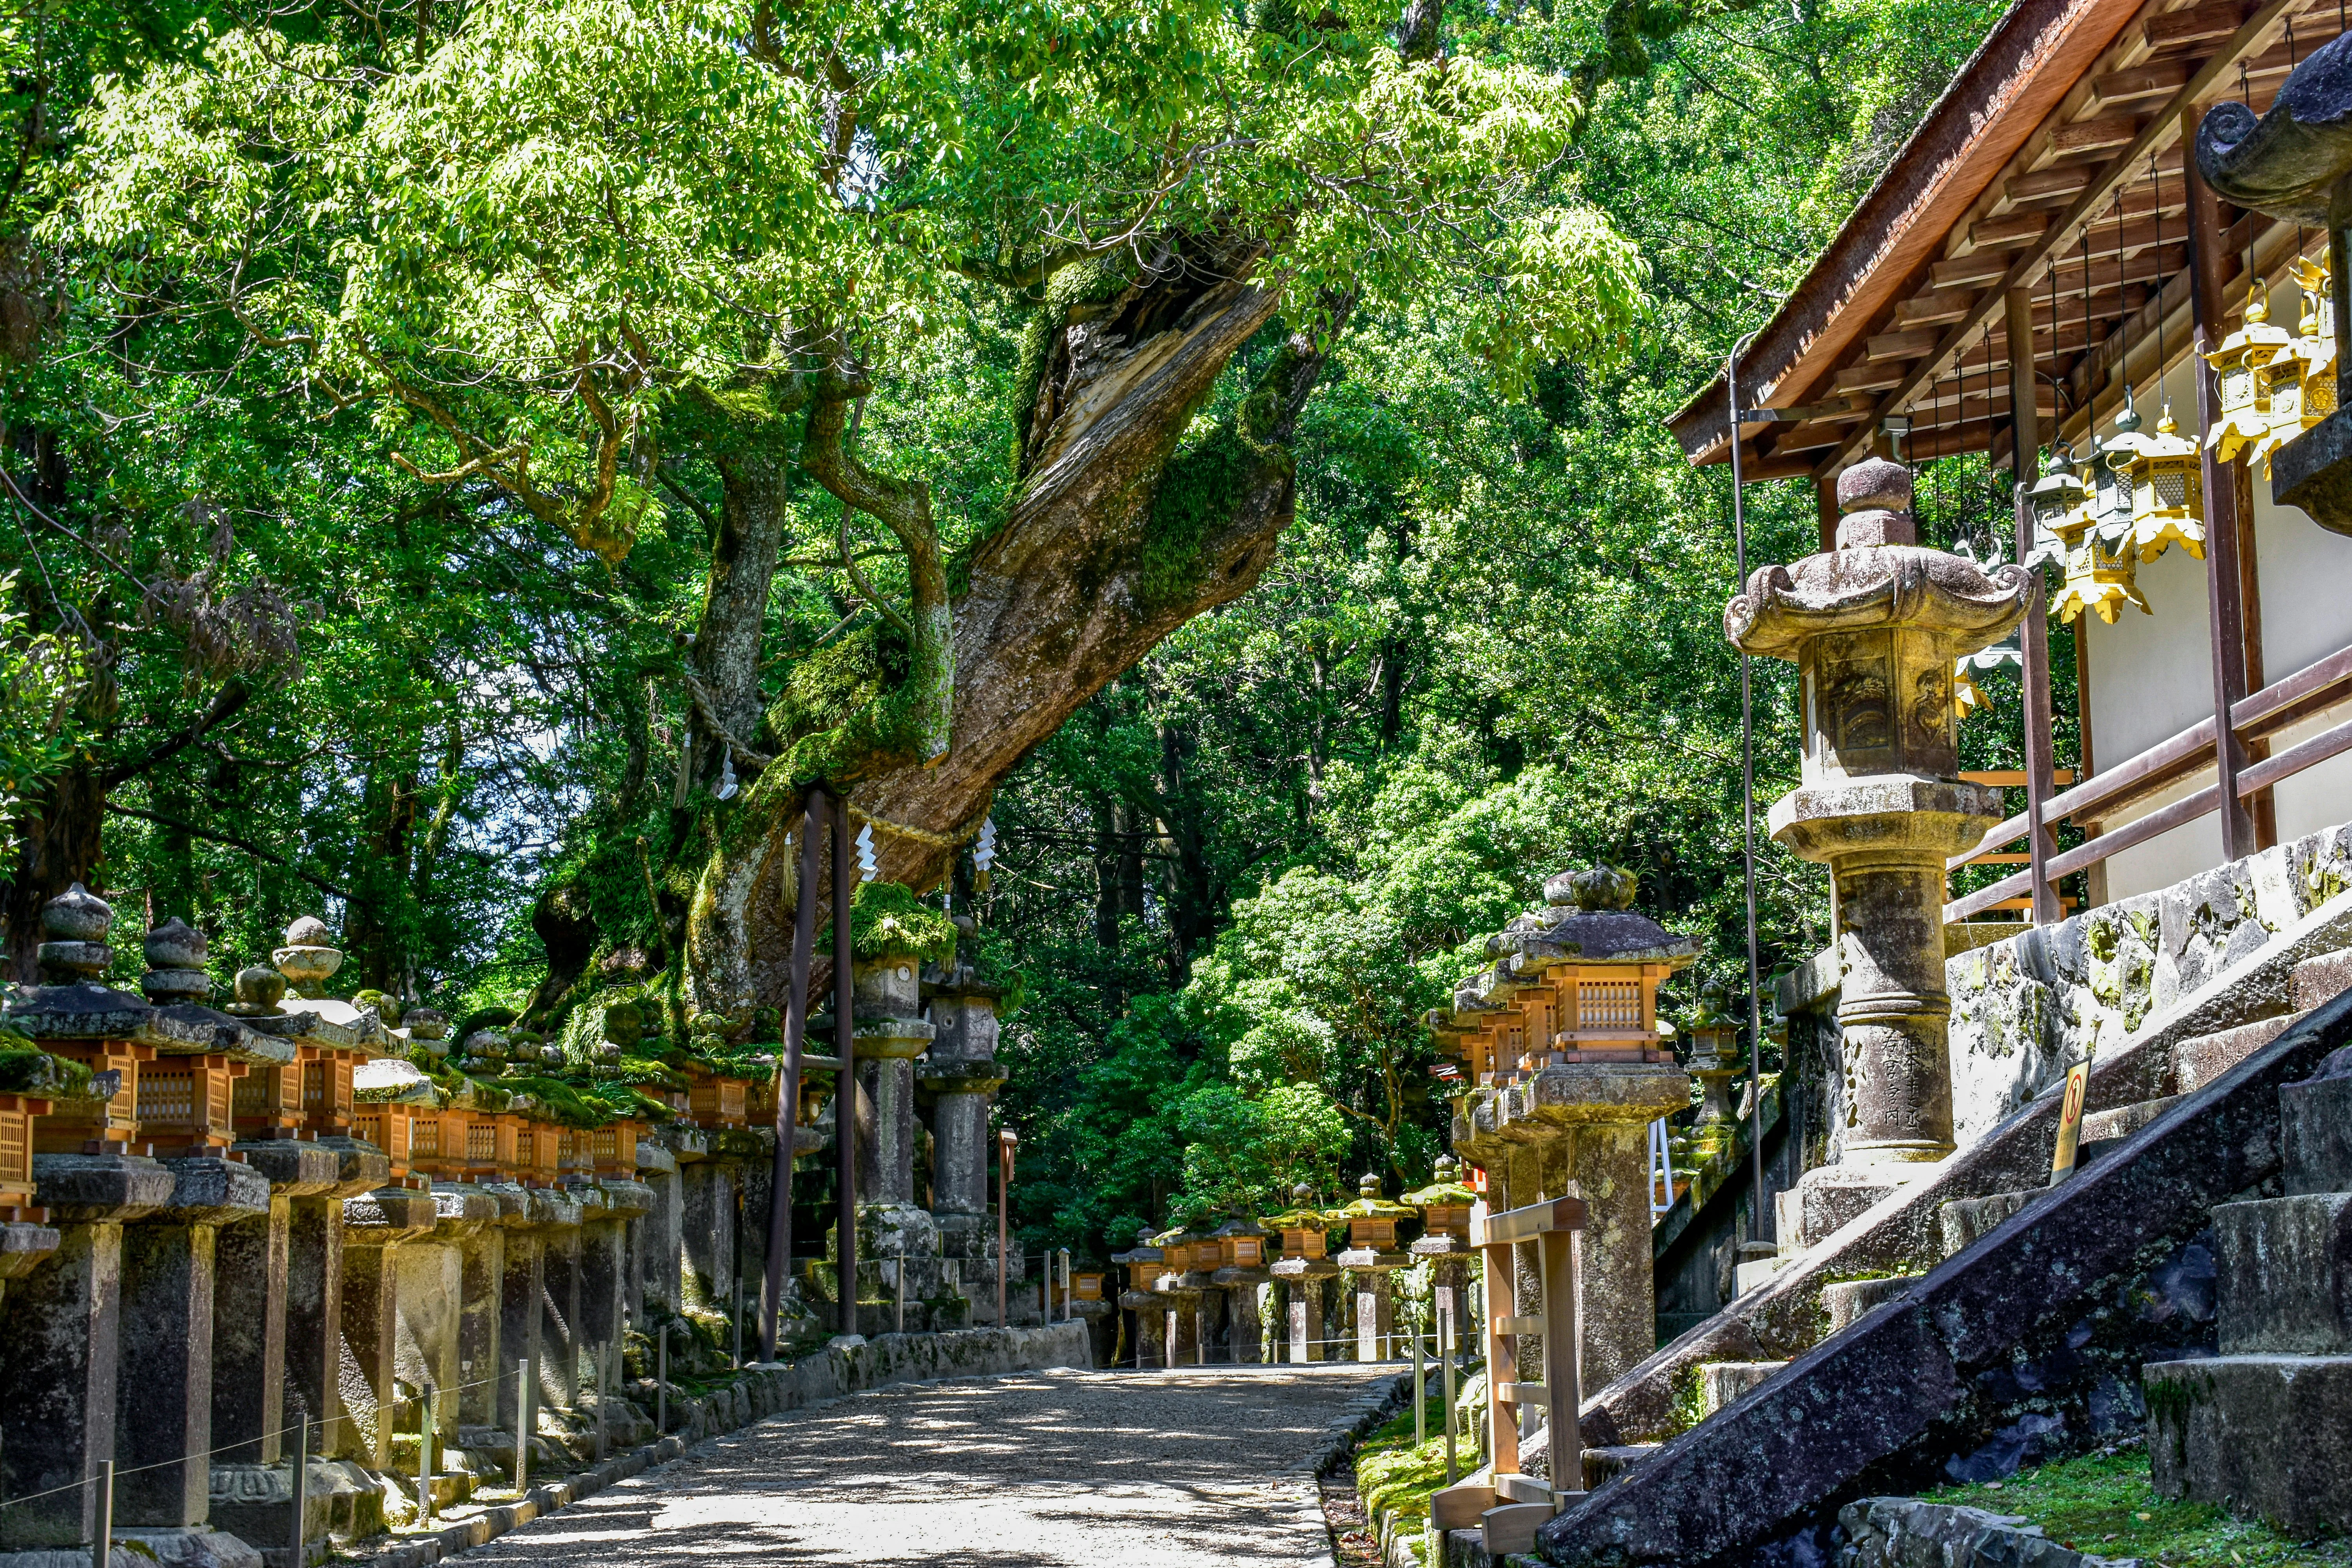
x=897 y=1239
x=1875 y=626
x=960 y=1075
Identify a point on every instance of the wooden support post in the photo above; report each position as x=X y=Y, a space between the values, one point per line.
x=1502 y=1417
x=1826 y=508
x=1561 y=1385
x=2225 y=603
x=2263 y=803
x=845 y=1077
x=788 y=1096
x=2025 y=454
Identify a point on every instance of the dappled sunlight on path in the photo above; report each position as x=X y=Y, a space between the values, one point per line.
x=1156 y=1470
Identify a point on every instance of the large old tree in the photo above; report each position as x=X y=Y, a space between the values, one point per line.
x=588 y=260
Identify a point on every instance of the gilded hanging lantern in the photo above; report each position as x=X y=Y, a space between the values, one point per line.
x=2009 y=652
x=2096 y=554
x=2242 y=363
x=2302 y=379
x=2167 y=488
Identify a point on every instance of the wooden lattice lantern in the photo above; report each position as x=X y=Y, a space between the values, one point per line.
x=715 y=1102
x=1304 y=1230
x=2302 y=381
x=328 y=1106
x=2165 y=474
x=1086 y=1284
x=17 y=1114
x=1446 y=1203
x=491 y=1151
x=2241 y=364
x=1239 y=1246
x=1372 y=1219
x=543 y=1145
x=615 y=1149
x=408 y=1134
x=184 y=1104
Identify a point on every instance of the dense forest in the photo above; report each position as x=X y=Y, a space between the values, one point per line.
x=472 y=465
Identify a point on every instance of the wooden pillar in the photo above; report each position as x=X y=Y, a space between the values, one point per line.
x=2263 y=805
x=2025 y=460
x=2225 y=602
x=1826 y=505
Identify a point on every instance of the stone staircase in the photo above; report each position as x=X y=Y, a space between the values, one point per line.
x=1978 y=1314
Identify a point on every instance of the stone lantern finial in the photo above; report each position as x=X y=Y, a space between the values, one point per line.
x=76 y=922
x=1370 y=1186
x=176 y=953
x=1875 y=495
x=309 y=957
x=259 y=989
x=1302 y=1194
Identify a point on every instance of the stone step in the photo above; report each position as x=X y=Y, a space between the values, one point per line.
x=1721 y=1382
x=1965 y=1221
x=1607 y=1464
x=2320 y=979
x=1850 y=1300
x=2268 y=1432
x=2100 y=1126
x=2197 y=1062
x=2284 y=1268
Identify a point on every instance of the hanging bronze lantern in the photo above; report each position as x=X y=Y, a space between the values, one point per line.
x=2242 y=363
x=2096 y=551
x=2167 y=488
x=2302 y=379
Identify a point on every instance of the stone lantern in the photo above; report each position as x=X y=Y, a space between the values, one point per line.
x=1713 y=1037
x=1873 y=626
x=1240 y=1268
x=1143 y=1264
x=1301 y=1270
x=309 y=958
x=1444 y=1241
x=1372 y=1259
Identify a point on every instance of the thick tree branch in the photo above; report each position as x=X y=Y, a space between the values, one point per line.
x=213 y=835
x=226 y=703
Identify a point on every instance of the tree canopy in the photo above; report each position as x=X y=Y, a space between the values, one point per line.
x=473 y=467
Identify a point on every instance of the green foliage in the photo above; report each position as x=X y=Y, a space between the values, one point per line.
x=2103 y=1504
x=1394 y=1476
x=1243 y=1156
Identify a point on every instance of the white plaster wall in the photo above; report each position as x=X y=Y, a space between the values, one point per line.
x=2306 y=598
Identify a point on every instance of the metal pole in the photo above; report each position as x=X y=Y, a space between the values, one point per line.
x=902 y=1287
x=425 y=1461
x=301 y=1483
x=1748 y=802
x=661 y=1383
x=103 y=1547
x=1005 y=1141
x=1446 y=1346
x=1066 y=1312
x=1045 y=1288
x=788 y=1082
x=525 y=1371
x=738 y=1357
x=845 y=1090
x=1420 y=1394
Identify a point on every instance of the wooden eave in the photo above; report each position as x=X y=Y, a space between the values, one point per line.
x=2061 y=140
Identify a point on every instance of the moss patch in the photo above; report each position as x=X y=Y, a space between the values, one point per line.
x=1395 y=1479
x=2104 y=1504
x=886 y=917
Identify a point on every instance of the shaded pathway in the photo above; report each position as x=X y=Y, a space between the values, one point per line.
x=1154 y=1469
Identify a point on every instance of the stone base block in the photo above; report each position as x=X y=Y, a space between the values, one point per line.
x=1905 y=1533
x=1852 y=1298
x=1722 y=1381
x=2315 y=1118
x=1965 y=1220
x=2270 y=1434
x=1829 y=1196
x=2285 y=1267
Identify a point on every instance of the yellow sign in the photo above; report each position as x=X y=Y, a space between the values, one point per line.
x=2070 y=1123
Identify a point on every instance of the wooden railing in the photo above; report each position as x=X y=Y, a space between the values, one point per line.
x=2314 y=688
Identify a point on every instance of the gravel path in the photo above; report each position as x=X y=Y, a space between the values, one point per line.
x=1153 y=1470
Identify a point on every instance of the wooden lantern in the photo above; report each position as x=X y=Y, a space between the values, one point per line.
x=540 y=1150
x=184 y=1104
x=615 y=1149
x=2242 y=364
x=328 y=1107
x=1242 y=1251
x=489 y=1147
x=402 y=1132
x=17 y=1114
x=716 y=1101
x=79 y=1127
x=2164 y=473
x=1086 y=1286
x=267 y=1103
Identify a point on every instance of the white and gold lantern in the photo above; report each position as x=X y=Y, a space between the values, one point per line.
x=2166 y=477
x=2241 y=364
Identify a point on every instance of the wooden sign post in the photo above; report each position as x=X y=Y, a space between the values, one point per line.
x=1506 y=1505
x=2070 y=1123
